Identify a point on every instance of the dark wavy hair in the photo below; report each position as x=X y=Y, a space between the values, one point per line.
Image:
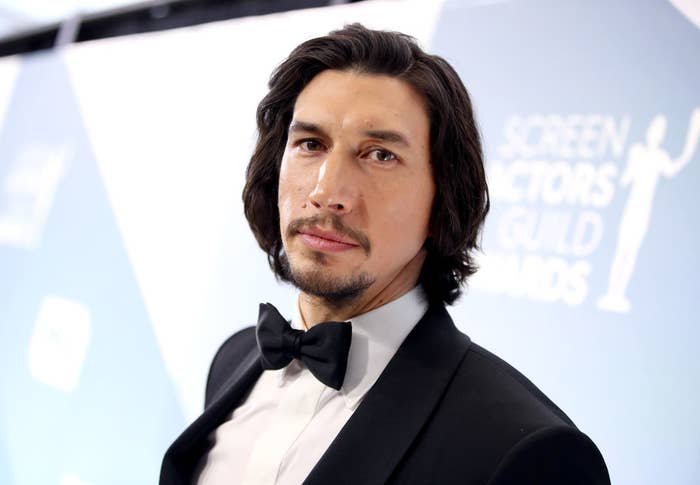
x=461 y=199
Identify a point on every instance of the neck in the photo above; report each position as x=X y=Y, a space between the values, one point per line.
x=315 y=309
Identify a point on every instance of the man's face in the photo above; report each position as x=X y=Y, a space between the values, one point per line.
x=356 y=185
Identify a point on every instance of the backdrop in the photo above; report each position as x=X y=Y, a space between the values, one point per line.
x=125 y=259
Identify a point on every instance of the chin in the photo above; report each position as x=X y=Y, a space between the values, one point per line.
x=317 y=280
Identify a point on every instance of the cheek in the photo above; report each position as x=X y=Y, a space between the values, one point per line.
x=411 y=210
x=404 y=227
x=284 y=206
x=291 y=193
x=424 y=199
x=284 y=202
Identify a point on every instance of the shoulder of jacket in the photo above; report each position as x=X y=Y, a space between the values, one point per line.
x=229 y=356
x=552 y=455
x=242 y=339
x=501 y=382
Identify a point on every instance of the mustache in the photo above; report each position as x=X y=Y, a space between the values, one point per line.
x=320 y=220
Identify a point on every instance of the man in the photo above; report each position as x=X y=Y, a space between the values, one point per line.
x=367 y=191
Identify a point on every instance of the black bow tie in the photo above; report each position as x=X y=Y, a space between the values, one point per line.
x=323 y=348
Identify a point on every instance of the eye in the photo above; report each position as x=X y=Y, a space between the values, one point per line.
x=381 y=155
x=310 y=145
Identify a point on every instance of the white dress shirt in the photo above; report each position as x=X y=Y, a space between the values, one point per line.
x=289 y=418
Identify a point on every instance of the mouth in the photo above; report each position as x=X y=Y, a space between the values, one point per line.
x=330 y=241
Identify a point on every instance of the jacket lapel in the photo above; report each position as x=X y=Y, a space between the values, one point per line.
x=392 y=413
x=187 y=449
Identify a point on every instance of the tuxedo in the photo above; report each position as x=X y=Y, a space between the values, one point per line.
x=443 y=411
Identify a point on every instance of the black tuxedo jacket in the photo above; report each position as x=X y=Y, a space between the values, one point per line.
x=444 y=411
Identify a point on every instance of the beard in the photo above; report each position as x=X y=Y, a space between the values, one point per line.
x=337 y=291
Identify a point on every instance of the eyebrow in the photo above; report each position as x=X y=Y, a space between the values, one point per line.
x=384 y=135
x=387 y=136
x=304 y=126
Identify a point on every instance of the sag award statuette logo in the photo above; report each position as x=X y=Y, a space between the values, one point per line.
x=646 y=163
x=553 y=178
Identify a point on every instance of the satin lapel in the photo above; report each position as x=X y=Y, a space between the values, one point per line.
x=185 y=451
x=392 y=413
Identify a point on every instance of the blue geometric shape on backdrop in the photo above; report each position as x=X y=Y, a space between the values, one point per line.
x=115 y=425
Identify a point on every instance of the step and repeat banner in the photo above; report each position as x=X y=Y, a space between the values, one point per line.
x=125 y=259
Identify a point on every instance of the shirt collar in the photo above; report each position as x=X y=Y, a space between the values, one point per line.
x=376 y=336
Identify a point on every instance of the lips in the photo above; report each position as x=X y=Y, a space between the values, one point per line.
x=326 y=240
x=329 y=235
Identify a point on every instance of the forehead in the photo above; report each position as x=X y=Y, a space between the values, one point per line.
x=349 y=99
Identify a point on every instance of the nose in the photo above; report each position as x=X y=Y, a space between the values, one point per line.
x=335 y=190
